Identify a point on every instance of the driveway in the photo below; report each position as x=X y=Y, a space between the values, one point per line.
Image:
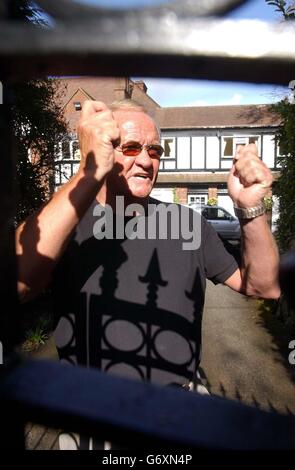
x=241 y=359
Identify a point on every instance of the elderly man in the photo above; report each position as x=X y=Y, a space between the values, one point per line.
x=128 y=305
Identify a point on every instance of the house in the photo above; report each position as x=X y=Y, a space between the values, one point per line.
x=199 y=142
x=199 y=145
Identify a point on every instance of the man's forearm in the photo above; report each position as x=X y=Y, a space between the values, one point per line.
x=42 y=238
x=260 y=259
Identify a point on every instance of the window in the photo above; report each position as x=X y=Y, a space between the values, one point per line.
x=77 y=105
x=169 y=147
x=253 y=140
x=76 y=150
x=65 y=150
x=279 y=149
x=197 y=199
x=215 y=213
x=229 y=144
x=228 y=147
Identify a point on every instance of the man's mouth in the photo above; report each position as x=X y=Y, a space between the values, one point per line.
x=142 y=176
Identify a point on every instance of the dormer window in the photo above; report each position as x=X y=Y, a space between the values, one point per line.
x=77 y=105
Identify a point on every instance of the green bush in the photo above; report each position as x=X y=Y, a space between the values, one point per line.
x=212 y=201
x=285 y=187
x=175 y=196
x=267 y=201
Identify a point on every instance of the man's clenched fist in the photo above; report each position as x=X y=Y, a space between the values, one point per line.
x=249 y=179
x=97 y=130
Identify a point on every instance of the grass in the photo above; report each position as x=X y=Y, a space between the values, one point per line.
x=36 y=337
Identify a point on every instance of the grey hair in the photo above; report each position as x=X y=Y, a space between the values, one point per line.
x=127 y=104
x=132 y=105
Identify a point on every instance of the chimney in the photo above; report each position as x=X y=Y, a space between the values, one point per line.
x=121 y=88
x=140 y=84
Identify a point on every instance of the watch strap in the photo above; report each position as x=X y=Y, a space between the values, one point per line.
x=250 y=212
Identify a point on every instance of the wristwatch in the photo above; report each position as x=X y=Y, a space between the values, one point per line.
x=250 y=212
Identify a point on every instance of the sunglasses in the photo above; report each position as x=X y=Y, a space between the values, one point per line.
x=132 y=149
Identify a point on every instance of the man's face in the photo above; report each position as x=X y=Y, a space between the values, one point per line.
x=134 y=176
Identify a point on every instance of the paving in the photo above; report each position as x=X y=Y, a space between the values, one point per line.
x=241 y=358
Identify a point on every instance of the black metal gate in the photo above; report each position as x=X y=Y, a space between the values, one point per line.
x=179 y=39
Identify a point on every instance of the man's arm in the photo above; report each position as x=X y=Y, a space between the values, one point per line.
x=248 y=183
x=42 y=238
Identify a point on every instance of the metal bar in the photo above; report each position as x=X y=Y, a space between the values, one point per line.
x=9 y=315
x=9 y=318
x=68 y=10
x=208 y=49
x=125 y=411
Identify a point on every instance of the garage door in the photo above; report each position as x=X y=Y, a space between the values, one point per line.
x=163 y=194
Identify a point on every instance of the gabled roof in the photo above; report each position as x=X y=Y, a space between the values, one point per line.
x=197 y=117
x=107 y=90
x=200 y=117
x=100 y=89
x=87 y=96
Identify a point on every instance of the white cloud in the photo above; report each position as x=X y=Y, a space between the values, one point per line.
x=176 y=92
x=236 y=98
x=198 y=103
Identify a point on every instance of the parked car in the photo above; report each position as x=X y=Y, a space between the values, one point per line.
x=225 y=224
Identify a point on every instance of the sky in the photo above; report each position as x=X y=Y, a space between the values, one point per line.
x=179 y=92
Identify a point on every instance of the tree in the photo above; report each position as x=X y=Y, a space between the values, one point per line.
x=285 y=188
x=38 y=124
x=287 y=9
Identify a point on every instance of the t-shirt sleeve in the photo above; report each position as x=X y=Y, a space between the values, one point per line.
x=219 y=264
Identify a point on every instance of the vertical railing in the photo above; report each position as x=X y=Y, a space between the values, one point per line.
x=11 y=432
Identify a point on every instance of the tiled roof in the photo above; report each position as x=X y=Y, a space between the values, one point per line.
x=199 y=117
x=100 y=89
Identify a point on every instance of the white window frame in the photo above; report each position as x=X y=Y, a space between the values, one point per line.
x=238 y=140
x=190 y=198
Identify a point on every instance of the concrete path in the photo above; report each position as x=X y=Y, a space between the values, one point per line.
x=40 y=437
x=240 y=359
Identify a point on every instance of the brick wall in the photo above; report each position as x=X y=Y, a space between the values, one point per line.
x=212 y=193
x=181 y=195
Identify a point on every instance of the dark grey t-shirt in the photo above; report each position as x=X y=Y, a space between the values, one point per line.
x=134 y=307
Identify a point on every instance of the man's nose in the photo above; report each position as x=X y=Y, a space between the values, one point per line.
x=143 y=159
